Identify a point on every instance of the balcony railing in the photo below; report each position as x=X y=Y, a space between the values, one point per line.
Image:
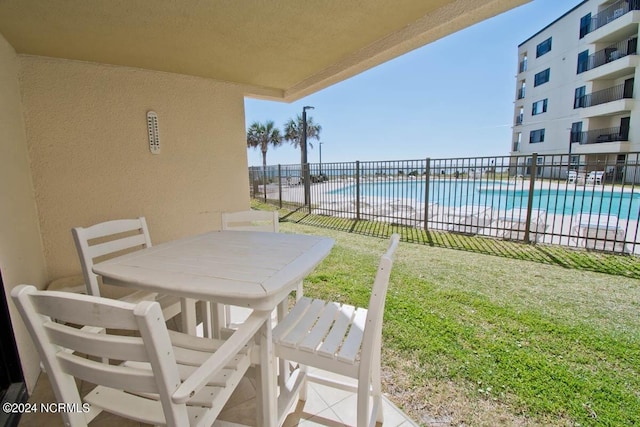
x=597 y=136
x=523 y=66
x=521 y=93
x=576 y=137
x=611 y=53
x=611 y=13
x=614 y=93
x=516 y=146
x=519 y=119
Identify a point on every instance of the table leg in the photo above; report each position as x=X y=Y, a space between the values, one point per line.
x=283 y=365
x=207 y=322
x=188 y=311
x=218 y=320
x=266 y=392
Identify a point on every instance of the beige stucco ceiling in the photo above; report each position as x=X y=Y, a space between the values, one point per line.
x=282 y=49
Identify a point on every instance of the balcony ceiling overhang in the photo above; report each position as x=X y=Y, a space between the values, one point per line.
x=282 y=49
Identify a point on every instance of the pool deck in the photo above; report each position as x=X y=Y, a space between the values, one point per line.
x=591 y=231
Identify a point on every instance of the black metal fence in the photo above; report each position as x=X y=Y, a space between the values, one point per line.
x=583 y=201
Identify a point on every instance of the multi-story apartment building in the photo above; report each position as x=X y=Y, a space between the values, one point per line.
x=577 y=87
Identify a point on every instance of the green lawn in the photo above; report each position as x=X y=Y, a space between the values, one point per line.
x=481 y=340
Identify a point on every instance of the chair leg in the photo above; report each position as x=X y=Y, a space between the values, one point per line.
x=305 y=383
x=363 y=413
x=376 y=387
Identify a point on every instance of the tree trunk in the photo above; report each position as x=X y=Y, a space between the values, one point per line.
x=264 y=174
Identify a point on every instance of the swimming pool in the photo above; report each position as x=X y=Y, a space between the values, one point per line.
x=503 y=195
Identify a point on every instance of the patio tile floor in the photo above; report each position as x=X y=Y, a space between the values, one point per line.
x=324 y=407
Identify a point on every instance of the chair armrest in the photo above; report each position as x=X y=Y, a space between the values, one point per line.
x=221 y=358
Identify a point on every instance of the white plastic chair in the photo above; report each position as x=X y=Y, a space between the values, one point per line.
x=111 y=238
x=338 y=338
x=595 y=177
x=599 y=232
x=513 y=223
x=250 y=220
x=165 y=378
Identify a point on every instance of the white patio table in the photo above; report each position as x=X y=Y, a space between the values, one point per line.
x=249 y=269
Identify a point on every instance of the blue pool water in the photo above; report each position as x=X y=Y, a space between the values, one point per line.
x=501 y=195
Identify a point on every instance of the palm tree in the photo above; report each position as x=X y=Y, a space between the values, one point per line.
x=293 y=133
x=261 y=136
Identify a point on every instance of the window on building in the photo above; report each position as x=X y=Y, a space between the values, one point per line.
x=543 y=47
x=576 y=132
x=536 y=136
x=579 y=97
x=539 y=107
x=585 y=25
x=583 y=61
x=542 y=77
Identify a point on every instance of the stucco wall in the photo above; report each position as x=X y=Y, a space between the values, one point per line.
x=21 y=259
x=87 y=139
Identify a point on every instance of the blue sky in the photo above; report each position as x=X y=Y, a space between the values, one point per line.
x=451 y=98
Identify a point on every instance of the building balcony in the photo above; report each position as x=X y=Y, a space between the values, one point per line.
x=604 y=148
x=599 y=136
x=519 y=120
x=516 y=146
x=521 y=93
x=618 y=66
x=612 y=53
x=617 y=17
x=609 y=109
x=613 y=100
x=522 y=67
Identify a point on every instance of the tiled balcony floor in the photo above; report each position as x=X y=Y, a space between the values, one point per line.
x=324 y=406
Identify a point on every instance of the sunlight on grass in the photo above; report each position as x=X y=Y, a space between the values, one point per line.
x=485 y=340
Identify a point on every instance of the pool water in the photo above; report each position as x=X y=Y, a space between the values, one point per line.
x=503 y=195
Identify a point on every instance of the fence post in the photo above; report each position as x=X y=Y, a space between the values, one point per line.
x=255 y=183
x=252 y=193
x=280 y=186
x=427 y=177
x=306 y=181
x=532 y=182
x=358 y=190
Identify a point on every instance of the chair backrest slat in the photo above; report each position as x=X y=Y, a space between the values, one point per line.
x=112 y=314
x=116 y=226
x=134 y=380
x=130 y=242
x=108 y=346
x=108 y=238
x=251 y=221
